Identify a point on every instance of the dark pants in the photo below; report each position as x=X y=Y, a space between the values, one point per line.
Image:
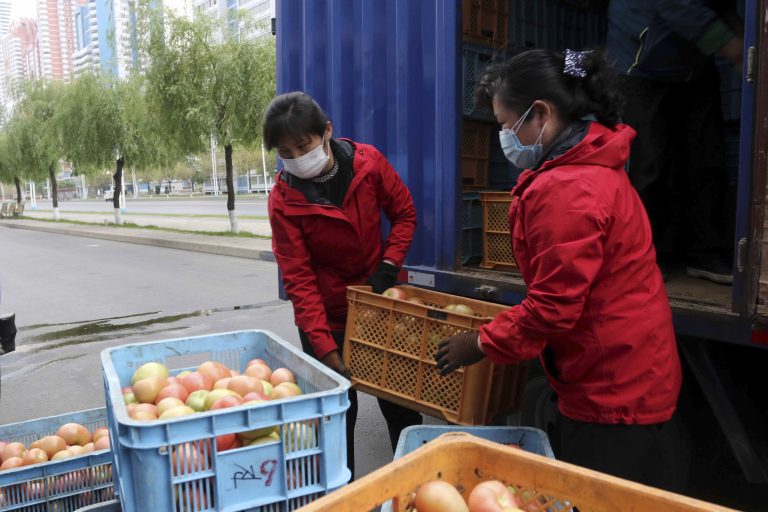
x=396 y=416
x=648 y=454
x=7 y=333
x=677 y=164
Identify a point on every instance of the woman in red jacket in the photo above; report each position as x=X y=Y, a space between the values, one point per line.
x=596 y=311
x=325 y=213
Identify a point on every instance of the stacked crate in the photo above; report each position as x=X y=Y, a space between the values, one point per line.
x=492 y=31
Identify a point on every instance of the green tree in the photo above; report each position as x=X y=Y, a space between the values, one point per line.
x=7 y=172
x=105 y=123
x=34 y=144
x=205 y=84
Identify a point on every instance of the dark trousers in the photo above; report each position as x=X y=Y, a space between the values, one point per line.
x=677 y=164
x=396 y=416
x=648 y=454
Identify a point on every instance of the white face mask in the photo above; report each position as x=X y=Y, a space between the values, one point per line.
x=309 y=165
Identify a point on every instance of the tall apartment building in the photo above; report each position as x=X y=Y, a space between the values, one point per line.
x=5 y=17
x=20 y=58
x=56 y=36
x=249 y=19
x=105 y=37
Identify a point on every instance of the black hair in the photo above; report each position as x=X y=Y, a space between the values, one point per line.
x=539 y=75
x=293 y=114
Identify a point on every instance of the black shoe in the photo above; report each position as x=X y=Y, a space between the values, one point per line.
x=716 y=272
x=7 y=334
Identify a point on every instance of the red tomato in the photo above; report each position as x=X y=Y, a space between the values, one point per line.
x=492 y=496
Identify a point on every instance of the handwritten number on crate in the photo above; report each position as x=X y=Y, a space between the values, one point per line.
x=267 y=469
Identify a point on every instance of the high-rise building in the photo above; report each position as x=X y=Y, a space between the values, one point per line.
x=249 y=19
x=20 y=58
x=56 y=35
x=5 y=17
x=106 y=37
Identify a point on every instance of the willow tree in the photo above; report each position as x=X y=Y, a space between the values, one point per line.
x=34 y=147
x=7 y=173
x=209 y=87
x=106 y=123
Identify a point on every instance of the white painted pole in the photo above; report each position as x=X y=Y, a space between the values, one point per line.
x=32 y=198
x=264 y=168
x=135 y=184
x=48 y=188
x=122 y=191
x=83 y=186
x=214 y=175
x=2 y=192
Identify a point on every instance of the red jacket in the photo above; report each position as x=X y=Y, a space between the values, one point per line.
x=596 y=311
x=321 y=249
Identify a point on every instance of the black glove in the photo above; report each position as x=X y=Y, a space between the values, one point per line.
x=458 y=350
x=7 y=334
x=384 y=277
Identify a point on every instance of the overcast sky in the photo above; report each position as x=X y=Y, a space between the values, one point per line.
x=23 y=9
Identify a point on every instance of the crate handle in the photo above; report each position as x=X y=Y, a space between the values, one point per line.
x=437 y=315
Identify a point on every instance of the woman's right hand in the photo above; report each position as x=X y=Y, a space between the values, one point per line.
x=333 y=361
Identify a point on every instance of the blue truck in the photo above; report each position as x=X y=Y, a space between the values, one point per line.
x=400 y=74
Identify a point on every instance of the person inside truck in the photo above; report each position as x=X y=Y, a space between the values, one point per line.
x=325 y=212
x=665 y=52
x=596 y=312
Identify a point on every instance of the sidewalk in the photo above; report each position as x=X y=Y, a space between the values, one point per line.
x=253 y=248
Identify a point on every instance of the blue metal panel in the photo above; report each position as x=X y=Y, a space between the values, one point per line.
x=741 y=286
x=386 y=72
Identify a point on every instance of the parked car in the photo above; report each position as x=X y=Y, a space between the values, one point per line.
x=109 y=195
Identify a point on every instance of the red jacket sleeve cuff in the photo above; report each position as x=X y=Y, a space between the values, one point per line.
x=322 y=344
x=503 y=341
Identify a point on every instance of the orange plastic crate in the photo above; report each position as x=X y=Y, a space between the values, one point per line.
x=475 y=153
x=543 y=484
x=486 y=22
x=497 y=244
x=390 y=344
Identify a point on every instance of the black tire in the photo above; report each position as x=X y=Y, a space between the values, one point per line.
x=540 y=408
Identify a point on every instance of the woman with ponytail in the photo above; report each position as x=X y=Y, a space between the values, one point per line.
x=596 y=311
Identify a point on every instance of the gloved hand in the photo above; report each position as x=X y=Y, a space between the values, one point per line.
x=334 y=361
x=7 y=334
x=458 y=350
x=384 y=277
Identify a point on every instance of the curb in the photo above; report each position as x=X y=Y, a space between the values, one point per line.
x=214 y=247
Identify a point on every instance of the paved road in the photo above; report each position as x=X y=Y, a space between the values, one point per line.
x=76 y=296
x=175 y=213
x=245 y=205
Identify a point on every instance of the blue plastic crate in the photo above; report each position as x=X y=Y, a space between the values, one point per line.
x=474 y=60
x=553 y=25
x=530 y=439
x=107 y=506
x=281 y=475
x=502 y=175
x=64 y=485
x=471 y=245
x=472 y=210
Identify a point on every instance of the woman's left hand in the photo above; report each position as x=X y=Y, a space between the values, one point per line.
x=459 y=350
